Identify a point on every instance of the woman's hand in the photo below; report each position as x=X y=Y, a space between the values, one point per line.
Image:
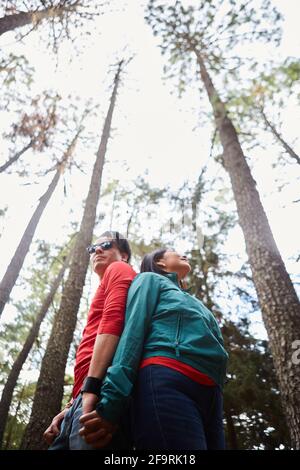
x=96 y=431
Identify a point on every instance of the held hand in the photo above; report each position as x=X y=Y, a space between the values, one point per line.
x=96 y=431
x=54 y=429
x=89 y=402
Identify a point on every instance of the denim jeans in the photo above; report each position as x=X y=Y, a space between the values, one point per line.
x=173 y=412
x=69 y=438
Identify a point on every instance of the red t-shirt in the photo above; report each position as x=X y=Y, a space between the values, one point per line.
x=106 y=316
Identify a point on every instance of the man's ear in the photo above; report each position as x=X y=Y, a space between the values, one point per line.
x=124 y=257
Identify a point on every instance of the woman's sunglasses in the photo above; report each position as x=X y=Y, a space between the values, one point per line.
x=104 y=246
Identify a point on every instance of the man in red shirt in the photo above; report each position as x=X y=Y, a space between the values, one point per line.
x=110 y=258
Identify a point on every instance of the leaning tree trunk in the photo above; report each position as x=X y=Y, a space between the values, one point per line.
x=23 y=18
x=17 y=261
x=49 y=392
x=276 y=294
x=12 y=379
x=290 y=151
x=16 y=157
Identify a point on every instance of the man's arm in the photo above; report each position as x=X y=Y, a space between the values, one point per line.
x=54 y=429
x=118 y=278
x=103 y=353
x=104 y=350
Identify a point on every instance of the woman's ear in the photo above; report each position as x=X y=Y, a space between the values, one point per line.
x=161 y=263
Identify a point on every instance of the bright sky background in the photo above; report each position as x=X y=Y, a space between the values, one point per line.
x=154 y=130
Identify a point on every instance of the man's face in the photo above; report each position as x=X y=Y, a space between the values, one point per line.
x=101 y=259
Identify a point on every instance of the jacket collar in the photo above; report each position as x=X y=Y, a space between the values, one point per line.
x=174 y=278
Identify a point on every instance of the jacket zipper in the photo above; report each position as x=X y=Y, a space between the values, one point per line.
x=177 y=338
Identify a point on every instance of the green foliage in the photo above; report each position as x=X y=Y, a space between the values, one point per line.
x=270 y=88
x=13 y=334
x=212 y=29
x=19 y=415
x=251 y=396
x=15 y=74
x=257 y=109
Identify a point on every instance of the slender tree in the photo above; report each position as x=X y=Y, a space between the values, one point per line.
x=15 y=266
x=14 y=419
x=48 y=398
x=278 y=137
x=259 y=106
x=36 y=126
x=184 y=38
x=13 y=376
x=58 y=14
x=16 y=156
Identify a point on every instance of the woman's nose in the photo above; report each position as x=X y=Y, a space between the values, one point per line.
x=98 y=249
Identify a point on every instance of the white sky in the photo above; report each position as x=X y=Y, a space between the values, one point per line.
x=153 y=130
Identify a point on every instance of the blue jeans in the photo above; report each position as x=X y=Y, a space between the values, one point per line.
x=69 y=439
x=172 y=412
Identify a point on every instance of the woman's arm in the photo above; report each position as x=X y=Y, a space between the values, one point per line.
x=142 y=300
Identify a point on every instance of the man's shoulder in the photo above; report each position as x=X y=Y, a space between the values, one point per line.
x=147 y=278
x=119 y=269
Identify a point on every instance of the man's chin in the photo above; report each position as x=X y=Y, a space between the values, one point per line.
x=99 y=266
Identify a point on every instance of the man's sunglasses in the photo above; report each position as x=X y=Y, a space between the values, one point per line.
x=104 y=246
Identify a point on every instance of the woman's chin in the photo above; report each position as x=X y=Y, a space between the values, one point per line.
x=186 y=271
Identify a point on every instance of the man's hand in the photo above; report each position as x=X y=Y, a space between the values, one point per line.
x=54 y=429
x=96 y=431
x=89 y=402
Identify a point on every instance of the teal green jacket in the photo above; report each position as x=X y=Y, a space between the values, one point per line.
x=161 y=320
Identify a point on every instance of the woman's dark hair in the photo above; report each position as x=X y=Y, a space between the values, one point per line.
x=149 y=262
x=121 y=242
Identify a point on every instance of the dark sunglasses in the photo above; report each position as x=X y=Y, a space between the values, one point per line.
x=104 y=246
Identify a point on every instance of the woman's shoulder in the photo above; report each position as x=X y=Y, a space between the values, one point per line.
x=147 y=277
x=146 y=281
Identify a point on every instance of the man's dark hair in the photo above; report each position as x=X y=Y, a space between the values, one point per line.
x=149 y=262
x=121 y=242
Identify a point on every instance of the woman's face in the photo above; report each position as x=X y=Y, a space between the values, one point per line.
x=174 y=262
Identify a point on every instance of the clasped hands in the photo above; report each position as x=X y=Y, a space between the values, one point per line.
x=95 y=430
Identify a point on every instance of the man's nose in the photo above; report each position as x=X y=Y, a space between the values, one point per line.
x=99 y=249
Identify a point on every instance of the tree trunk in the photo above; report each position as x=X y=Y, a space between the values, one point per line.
x=17 y=261
x=17 y=20
x=13 y=421
x=12 y=379
x=276 y=294
x=279 y=138
x=16 y=157
x=49 y=392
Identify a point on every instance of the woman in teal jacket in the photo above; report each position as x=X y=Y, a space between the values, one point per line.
x=170 y=359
